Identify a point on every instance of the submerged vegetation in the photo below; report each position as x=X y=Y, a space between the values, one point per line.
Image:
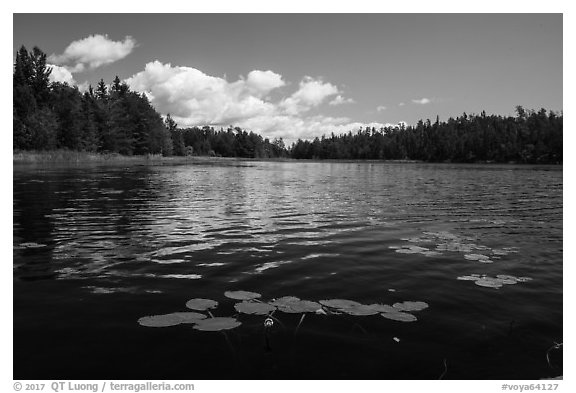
x=112 y=119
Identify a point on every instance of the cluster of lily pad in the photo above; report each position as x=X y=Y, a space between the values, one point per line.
x=200 y=321
x=415 y=250
x=29 y=245
x=494 y=282
x=396 y=312
x=250 y=304
x=448 y=242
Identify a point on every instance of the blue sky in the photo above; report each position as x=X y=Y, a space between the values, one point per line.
x=304 y=75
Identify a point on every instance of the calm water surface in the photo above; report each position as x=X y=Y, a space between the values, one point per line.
x=98 y=247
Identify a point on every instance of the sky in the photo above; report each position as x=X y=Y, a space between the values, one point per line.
x=304 y=75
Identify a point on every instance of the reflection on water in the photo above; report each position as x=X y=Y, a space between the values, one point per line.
x=145 y=236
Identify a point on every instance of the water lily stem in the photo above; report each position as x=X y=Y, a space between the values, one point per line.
x=229 y=344
x=555 y=346
x=445 y=369
x=299 y=323
x=359 y=327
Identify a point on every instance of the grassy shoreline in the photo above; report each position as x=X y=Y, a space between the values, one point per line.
x=69 y=156
x=80 y=157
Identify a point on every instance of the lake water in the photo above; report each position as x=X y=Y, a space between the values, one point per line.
x=98 y=247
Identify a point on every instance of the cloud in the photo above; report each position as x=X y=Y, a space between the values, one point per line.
x=61 y=74
x=339 y=100
x=83 y=87
x=92 y=52
x=262 y=82
x=292 y=128
x=422 y=101
x=380 y=108
x=311 y=92
x=194 y=98
x=401 y=104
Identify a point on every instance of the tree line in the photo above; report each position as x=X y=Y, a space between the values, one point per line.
x=53 y=115
x=113 y=119
x=529 y=137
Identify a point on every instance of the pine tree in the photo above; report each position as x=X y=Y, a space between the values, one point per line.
x=116 y=84
x=178 y=148
x=41 y=76
x=102 y=91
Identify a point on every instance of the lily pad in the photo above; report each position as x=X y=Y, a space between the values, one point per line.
x=478 y=257
x=488 y=282
x=411 y=250
x=339 y=303
x=284 y=301
x=254 y=308
x=242 y=295
x=382 y=308
x=306 y=306
x=216 y=324
x=468 y=278
x=361 y=310
x=201 y=304
x=172 y=319
x=31 y=245
x=494 y=282
x=506 y=277
x=411 y=306
x=400 y=316
x=293 y=305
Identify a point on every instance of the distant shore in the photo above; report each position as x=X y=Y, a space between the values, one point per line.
x=69 y=156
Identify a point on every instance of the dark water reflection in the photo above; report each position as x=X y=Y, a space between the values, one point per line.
x=97 y=247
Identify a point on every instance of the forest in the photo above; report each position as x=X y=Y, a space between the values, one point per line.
x=529 y=137
x=110 y=118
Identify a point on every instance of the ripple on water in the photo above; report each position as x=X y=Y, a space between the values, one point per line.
x=316 y=230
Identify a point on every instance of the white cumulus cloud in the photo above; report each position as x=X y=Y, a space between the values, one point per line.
x=311 y=92
x=422 y=101
x=61 y=74
x=292 y=128
x=339 y=100
x=262 y=82
x=380 y=108
x=93 y=51
x=194 y=98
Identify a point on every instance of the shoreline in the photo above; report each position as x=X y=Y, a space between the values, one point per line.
x=79 y=157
